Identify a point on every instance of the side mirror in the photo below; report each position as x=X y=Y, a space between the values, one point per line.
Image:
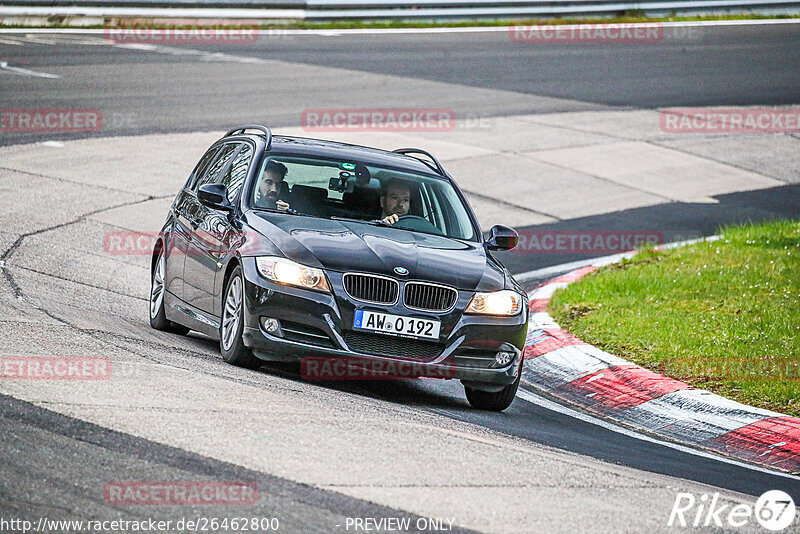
x=214 y=196
x=502 y=238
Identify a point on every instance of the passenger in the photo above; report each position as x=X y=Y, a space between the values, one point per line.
x=395 y=200
x=270 y=187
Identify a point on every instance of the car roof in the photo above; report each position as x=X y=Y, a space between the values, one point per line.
x=306 y=146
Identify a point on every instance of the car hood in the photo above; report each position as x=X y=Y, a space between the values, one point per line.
x=356 y=247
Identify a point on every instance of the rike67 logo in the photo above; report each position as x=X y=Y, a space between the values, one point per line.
x=774 y=511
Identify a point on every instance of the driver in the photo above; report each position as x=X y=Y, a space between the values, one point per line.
x=270 y=186
x=395 y=200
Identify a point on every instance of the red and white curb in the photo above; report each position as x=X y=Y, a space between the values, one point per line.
x=564 y=367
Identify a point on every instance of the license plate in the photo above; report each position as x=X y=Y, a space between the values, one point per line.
x=385 y=323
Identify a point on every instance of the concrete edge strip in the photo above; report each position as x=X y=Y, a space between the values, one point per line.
x=565 y=367
x=529 y=395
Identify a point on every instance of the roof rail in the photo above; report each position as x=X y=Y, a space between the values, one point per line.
x=241 y=129
x=436 y=165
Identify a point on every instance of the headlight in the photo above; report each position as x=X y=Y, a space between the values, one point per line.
x=290 y=273
x=506 y=303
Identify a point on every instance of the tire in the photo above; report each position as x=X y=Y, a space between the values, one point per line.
x=496 y=401
x=231 y=326
x=158 y=316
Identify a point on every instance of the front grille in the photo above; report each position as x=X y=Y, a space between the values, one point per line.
x=396 y=347
x=370 y=288
x=429 y=297
x=302 y=333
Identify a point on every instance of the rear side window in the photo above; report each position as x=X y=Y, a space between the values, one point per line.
x=211 y=173
x=237 y=172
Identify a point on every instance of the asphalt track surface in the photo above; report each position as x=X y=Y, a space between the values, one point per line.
x=171 y=90
x=159 y=91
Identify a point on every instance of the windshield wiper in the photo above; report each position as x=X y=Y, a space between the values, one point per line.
x=377 y=222
x=381 y=222
x=289 y=211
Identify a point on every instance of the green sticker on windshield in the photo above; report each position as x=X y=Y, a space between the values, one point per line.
x=348 y=166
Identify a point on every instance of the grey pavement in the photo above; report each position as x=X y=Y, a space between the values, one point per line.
x=146 y=88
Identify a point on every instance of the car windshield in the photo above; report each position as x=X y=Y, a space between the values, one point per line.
x=366 y=193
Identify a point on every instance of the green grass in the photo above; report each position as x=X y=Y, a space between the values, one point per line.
x=116 y=22
x=722 y=315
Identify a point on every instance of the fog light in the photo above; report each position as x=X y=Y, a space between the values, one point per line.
x=504 y=358
x=271 y=326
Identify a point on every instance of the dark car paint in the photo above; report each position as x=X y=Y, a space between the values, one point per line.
x=334 y=313
x=379 y=249
x=208 y=240
x=216 y=241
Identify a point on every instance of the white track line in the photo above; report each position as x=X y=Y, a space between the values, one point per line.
x=601 y=261
x=222 y=13
x=538 y=400
x=5 y=67
x=546 y=272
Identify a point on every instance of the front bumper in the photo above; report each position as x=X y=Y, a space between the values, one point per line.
x=316 y=325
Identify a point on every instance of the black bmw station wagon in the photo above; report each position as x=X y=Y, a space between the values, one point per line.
x=341 y=257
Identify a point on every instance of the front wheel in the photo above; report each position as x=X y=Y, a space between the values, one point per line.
x=158 y=316
x=231 y=345
x=493 y=401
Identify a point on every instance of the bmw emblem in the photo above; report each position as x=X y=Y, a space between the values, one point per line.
x=402 y=271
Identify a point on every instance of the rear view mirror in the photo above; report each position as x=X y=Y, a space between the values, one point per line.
x=345 y=183
x=362 y=175
x=214 y=196
x=502 y=238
